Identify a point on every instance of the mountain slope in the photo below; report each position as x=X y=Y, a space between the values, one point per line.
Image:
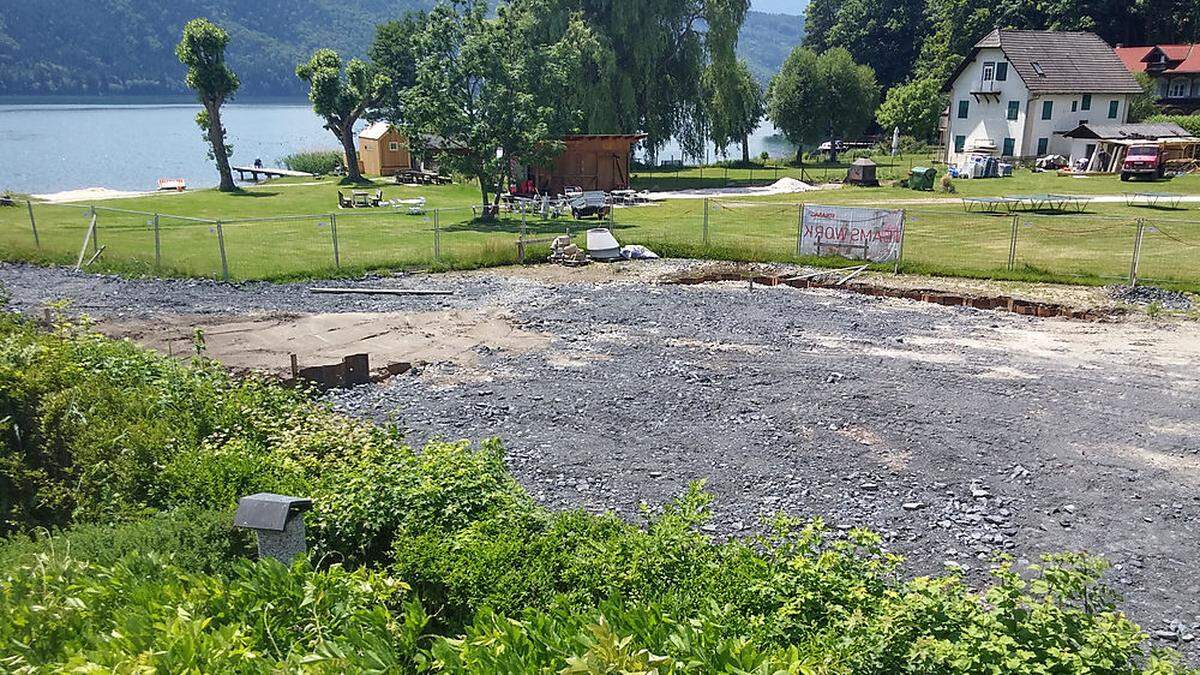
x=122 y=47
x=85 y=47
x=767 y=39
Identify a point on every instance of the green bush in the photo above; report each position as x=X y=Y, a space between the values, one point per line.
x=190 y=539
x=1188 y=122
x=319 y=162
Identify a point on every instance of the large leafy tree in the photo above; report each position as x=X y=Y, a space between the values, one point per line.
x=202 y=50
x=644 y=71
x=821 y=96
x=341 y=98
x=488 y=93
x=883 y=34
x=394 y=53
x=914 y=107
x=736 y=105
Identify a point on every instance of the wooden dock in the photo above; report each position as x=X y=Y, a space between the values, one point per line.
x=267 y=172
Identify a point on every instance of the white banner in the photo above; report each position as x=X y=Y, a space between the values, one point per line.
x=851 y=232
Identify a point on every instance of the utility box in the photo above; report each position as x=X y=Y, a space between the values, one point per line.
x=278 y=522
x=862 y=172
x=922 y=178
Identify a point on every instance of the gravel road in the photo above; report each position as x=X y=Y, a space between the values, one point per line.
x=956 y=433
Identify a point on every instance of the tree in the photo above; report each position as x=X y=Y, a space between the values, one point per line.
x=1144 y=105
x=914 y=107
x=202 y=50
x=394 y=54
x=884 y=34
x=478 y=88
x=736 y=105
x=645 y=72
x=825 y=96
x=342 y=98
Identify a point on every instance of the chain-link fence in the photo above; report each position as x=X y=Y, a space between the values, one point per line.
x=1157 y=247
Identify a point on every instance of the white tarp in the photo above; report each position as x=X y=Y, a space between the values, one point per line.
x=851 y=232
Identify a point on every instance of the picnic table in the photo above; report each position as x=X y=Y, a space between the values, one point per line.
x=420 y=177
x=361 y=198
x=1153 y=199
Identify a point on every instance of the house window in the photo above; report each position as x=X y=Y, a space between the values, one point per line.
x=1002 y=71
x=1113 y=108
x=1074 y=106
x=989 y=72
x=1087 y=102
x=1014 y=110
x=964 y=109
x=1010 y=146
x=1037 y=68
x=1179 y=88
x=393 y=146
x=1043 y=146
x=1047 y=110
x=960 y=143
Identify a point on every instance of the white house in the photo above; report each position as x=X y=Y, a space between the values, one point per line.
x=1019 y=91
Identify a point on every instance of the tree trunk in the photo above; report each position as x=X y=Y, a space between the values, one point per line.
x=216 y=138
x=347 y=138
x=800 y=154
x=745 y=148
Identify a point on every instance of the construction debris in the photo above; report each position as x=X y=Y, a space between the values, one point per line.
x=563 y=252
x=1150 y=295
x=381 y=291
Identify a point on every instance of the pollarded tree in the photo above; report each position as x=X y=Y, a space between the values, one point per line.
x=736 y=105
x=202 y=50
x=342 y=98
x=821 y=96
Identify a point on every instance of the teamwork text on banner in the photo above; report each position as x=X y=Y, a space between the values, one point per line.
x=851 y=232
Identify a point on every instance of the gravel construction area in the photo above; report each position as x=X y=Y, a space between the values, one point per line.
x=956 y=433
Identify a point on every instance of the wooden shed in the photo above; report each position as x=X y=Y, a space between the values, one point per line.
x=591 y=162
x=383 y=150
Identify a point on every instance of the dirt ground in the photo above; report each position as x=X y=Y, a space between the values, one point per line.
x=956 y=433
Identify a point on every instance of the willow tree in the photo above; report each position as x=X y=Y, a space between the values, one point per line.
x=821 y=96
x=736 y=105
x=202 y=50
x=341 y=98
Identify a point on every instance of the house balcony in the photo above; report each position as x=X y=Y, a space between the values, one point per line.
x=986 y=90
x=1189 y=105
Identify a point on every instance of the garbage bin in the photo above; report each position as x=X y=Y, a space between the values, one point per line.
x=922 y=178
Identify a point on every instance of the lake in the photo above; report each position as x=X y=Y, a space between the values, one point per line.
x=48 y=147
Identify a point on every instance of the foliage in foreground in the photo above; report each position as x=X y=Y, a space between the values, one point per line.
x=318 y=162
x=435 y=559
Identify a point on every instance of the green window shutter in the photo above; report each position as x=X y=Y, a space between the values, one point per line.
x=1043 y=146
x=1047 y=110
x=960 y=143
x=1087 y=102
x=1014 y=109
x=964 y=109
x=1010 y=146
x=1002 y=71
x=1113 y=107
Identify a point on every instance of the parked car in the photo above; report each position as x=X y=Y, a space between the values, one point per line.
x=1144 y=161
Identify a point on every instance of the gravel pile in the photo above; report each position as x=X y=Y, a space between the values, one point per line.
x=1148 y=295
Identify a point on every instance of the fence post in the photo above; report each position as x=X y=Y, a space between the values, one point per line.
x=221 y=246
x=1137 y=251
x=33 y=224
x=1012 y=244
x=521 y=241
x=799 y=228
x=337 y=258
x=437 y=236
x=157 y=245
x=706 y=221
x=900 y=252
x=95 y=230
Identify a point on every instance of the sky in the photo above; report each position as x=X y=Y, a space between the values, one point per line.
x=779 y=6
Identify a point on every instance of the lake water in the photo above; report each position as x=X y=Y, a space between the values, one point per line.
x=53 y=147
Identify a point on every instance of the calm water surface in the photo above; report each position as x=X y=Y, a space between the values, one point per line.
x=61 y=146
x=52 y=147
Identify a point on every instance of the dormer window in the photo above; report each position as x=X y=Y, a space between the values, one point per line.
x=1037 y=68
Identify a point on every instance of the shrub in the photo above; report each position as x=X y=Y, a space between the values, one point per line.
x=1189 y=122
x=319 y=162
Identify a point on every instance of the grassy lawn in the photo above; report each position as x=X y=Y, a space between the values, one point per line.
x=1094 y=247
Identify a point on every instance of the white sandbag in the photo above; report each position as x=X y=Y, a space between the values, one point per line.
x=637 y=252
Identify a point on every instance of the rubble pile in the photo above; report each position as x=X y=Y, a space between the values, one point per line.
x=1149 y=295
x=563 y=252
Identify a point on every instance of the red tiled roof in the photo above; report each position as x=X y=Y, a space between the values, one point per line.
x=1132 y=58
x=1185 y=57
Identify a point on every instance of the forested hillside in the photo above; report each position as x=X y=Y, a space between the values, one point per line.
x=767 y=39
x=116 y=47
x=113 y=47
